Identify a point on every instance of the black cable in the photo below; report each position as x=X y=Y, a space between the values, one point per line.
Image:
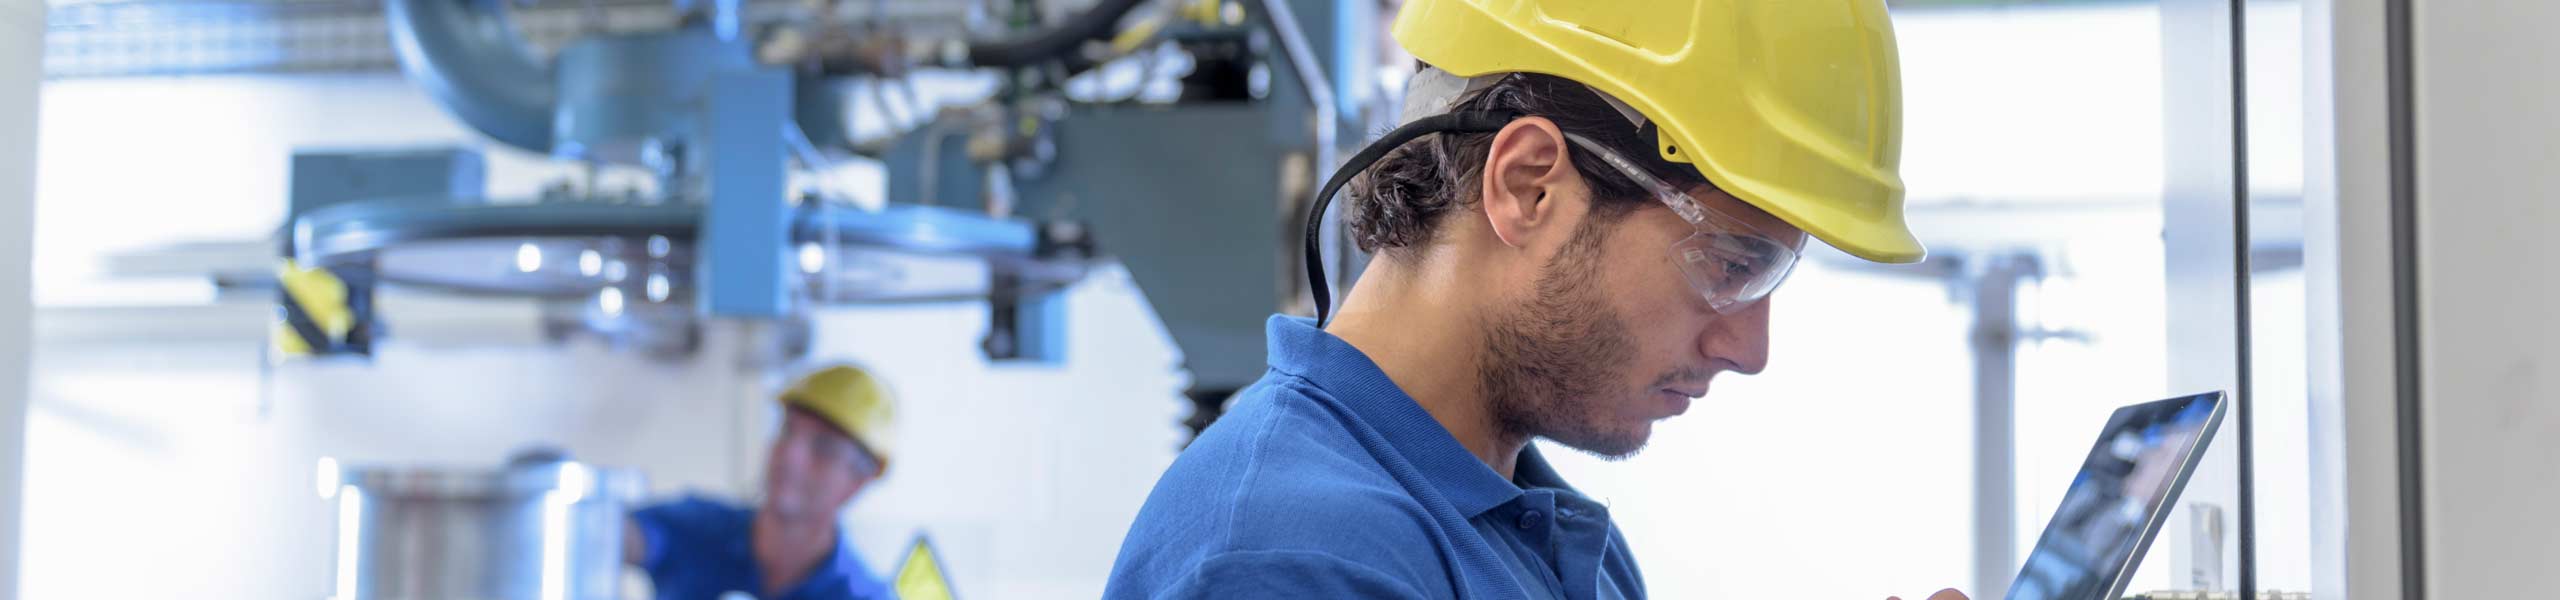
x=1464 y=122
x=1061 y=41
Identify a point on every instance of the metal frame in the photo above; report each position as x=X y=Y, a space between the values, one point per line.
x=2401 y=75
x=2245 y=393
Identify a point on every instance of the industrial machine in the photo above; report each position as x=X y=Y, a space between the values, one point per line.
x=1007 y=200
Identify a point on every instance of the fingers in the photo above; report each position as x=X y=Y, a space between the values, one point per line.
x=1945 y=594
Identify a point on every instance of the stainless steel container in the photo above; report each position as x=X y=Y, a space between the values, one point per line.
x=541 y=528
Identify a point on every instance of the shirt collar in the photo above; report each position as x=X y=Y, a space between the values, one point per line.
x=1298 y=348
x=1532 y=471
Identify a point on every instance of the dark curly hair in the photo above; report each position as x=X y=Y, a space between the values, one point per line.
x=1398 y=203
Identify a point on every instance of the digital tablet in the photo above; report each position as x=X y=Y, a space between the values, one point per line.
x=2119 y=499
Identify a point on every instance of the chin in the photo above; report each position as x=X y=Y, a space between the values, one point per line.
x=1614 y=446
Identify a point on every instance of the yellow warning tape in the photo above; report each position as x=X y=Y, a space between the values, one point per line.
x=318 y=294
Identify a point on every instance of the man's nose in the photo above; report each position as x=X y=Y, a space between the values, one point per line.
x=1740 y=339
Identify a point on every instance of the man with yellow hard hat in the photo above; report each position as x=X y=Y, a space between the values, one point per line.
x=834 y=439
x=1577 y=227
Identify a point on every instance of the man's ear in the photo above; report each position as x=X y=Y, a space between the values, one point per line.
x=855 y=491
x=1526 y=163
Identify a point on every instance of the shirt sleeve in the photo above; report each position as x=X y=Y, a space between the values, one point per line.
x=1256 y=574
x=654 y=526
x=669 y=527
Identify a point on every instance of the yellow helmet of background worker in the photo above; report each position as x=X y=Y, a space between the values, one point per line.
x=1794 y=106
x=851 y=400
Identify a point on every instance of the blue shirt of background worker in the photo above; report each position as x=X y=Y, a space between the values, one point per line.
x=835 y=429
x=699 y=549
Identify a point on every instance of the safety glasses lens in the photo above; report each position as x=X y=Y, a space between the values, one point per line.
x=1732 y=271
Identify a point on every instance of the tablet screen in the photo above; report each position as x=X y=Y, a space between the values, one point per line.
x=2114 y=507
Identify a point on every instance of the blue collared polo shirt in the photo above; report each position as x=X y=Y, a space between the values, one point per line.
x=1325 y=480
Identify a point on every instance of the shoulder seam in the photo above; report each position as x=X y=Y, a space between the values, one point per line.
x=1244 y=481
x=1406 y=587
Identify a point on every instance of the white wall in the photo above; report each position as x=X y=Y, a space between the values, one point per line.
x=21 y=63
x=2347 y=278
x=208 y=159
x=2490 y=365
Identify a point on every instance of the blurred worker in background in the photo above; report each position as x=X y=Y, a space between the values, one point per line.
x=1595 y=202
x=834 y=440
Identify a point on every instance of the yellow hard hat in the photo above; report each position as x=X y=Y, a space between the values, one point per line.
x=849 y=398
x=1794 y=106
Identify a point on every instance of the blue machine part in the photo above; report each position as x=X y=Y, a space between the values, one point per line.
x=324 y=178
x=818 y=106
x=1026 y=327
x=1194 y=211
x=466 y=54
x=924 y=229
x=623 y=98
x=1180 y=194
x=1040 y=329
x=746 y=228
x=932 y=166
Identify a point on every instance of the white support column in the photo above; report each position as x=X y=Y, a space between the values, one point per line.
x=2485 y=102
x=2355 y=524
x=21 y=69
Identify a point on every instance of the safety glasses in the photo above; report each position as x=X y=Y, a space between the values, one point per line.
x=1729 y=262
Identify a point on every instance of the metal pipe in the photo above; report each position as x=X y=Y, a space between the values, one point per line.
x=466 y=53
x=1996 y=334
x=1303 y=62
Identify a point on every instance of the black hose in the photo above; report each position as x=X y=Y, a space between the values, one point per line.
x=1457 y=122
x=1062 y=40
